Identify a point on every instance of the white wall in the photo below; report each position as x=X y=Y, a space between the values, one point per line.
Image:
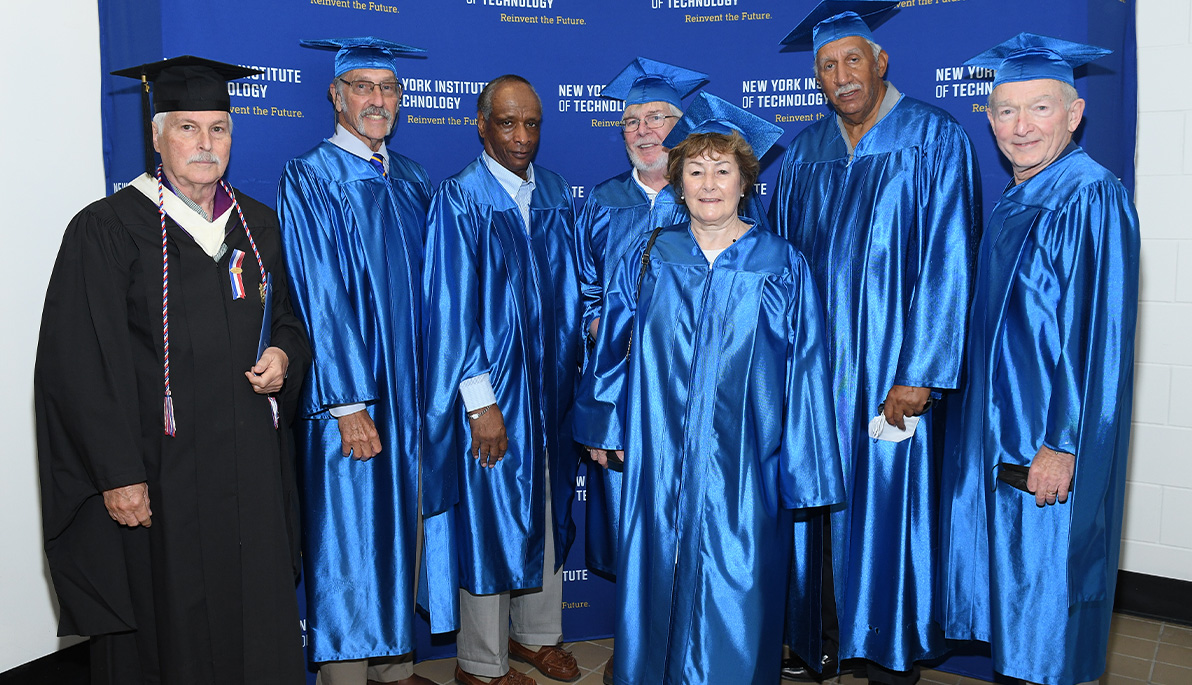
x=51 y=139
x=1158 y=529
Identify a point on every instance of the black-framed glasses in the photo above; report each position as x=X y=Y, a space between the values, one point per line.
x=652 y=121
x=363 y=87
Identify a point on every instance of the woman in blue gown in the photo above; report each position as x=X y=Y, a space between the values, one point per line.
x=710 y=382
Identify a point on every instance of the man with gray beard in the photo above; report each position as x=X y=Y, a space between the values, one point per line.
x=633 y=202
x=353 y=215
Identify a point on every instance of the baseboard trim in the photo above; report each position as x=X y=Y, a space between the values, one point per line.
x=1156 y=597
x=70 y=666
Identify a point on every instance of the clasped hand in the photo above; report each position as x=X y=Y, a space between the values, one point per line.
x=129 y=505
x=269 y=373
x=903 y=401
x=600 y=455
x=1050 y=476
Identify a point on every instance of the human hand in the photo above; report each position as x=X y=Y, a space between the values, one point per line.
x=129 y=505
x=269 y=373
x=902 y=401
x=358 y=436
x=600 y=455
x=489 y=440
x=1050 y=476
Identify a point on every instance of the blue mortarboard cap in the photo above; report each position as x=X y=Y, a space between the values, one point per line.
x=835 y=19
x=647 y=80
x=1029 y=56
x=362 y=53
x=710 y=114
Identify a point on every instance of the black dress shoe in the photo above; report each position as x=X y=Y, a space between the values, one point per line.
x=795 y=670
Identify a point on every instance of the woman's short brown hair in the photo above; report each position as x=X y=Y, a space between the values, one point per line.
x=700 y=144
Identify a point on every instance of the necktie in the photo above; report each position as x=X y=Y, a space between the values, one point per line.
x=379 y=162
x=522 y=201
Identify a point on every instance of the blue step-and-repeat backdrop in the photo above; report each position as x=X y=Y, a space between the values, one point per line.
x=568 y=49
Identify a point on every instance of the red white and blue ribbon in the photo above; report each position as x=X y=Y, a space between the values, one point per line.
x=168 y=409
x=273 y=407
x=236 y=274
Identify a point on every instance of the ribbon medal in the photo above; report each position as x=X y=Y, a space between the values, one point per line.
x=235 y=273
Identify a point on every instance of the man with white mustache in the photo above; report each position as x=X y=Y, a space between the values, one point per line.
x=353 y=214
x=882 y=200
x=166 y=464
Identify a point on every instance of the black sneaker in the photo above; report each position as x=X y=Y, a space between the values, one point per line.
x=795 y=670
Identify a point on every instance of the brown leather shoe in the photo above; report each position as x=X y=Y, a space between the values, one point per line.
x=552 y=661
x=513 y=677
x=607 y=678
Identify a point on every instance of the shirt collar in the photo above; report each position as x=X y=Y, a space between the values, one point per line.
x=888 y=102
x=650 y=192
x=221 y=204
x=510 y=181
x=348 y=142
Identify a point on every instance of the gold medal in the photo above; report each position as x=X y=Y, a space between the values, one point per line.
x=236 y=270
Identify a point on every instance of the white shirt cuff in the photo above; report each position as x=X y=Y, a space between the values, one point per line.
x=345 y=409
x=477 y=392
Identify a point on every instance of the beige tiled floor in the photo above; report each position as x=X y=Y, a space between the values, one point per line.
x=591 y=657
x=1140 y=651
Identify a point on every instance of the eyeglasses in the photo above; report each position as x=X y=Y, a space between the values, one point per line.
x=652 y=121
x=388 y=88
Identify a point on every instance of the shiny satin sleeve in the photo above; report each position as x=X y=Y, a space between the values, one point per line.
x=1095 y=256
x=934 y=333
x=311 y=232
x=811 y=470
x=784 y=216
x=451 y=335
x=600 y=404
x=591 y=232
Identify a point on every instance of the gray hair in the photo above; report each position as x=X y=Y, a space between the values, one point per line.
x=484 y=103
x=670 y=108
x=1068 y=95
x=877 y=50
x=159 y=121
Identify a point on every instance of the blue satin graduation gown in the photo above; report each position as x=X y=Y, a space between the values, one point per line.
x=890 y=237
x=1050 y=362
x=616 y=212
x=725 y=414
x=502 y=302
x=353 y=245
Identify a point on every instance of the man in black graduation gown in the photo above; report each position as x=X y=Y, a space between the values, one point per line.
x=167 y=478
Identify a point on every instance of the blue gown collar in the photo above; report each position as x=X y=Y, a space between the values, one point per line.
x=1011 y=185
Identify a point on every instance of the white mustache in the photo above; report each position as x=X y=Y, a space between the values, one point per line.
x=373 y=110
x=848 y=88
x=208 y=157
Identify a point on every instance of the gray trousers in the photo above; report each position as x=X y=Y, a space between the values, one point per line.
x=384 y=669
x=482 y=647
